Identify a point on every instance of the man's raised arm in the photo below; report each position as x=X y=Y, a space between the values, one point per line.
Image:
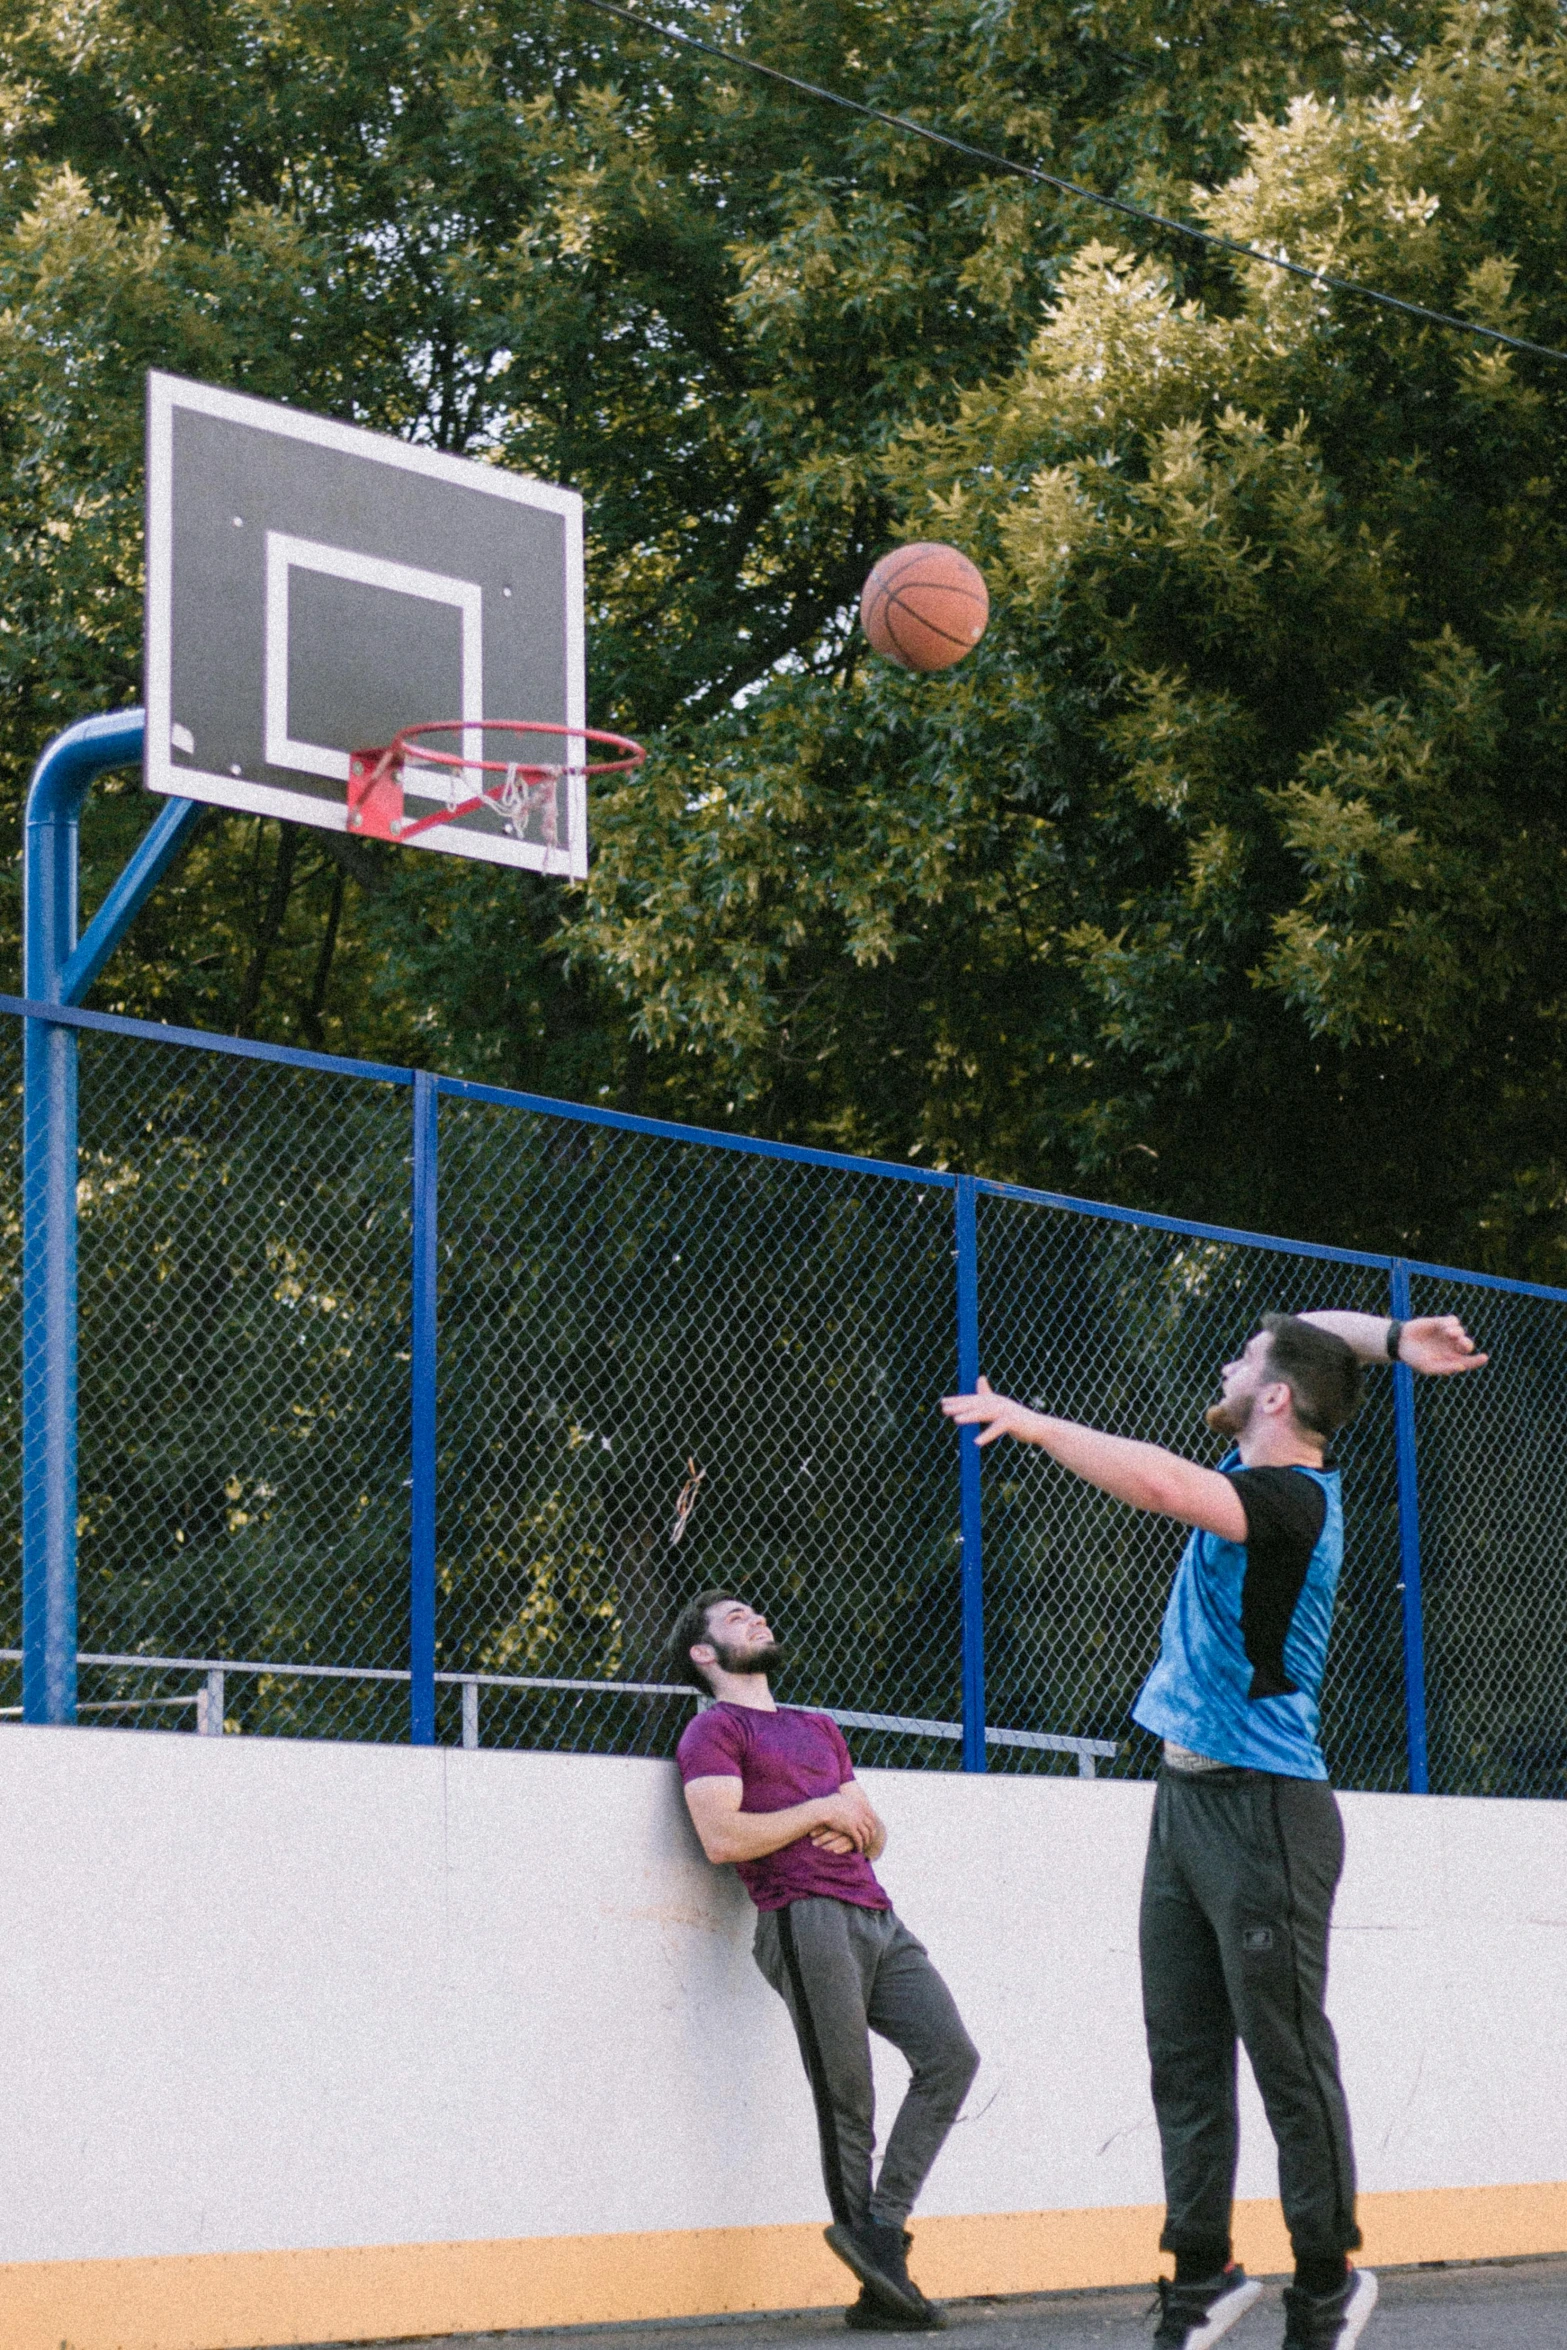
x=1143 y=1474
x=1437 y=1344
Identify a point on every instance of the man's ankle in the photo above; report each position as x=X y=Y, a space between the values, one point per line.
x=1321 y=2273
x=1200 y=2261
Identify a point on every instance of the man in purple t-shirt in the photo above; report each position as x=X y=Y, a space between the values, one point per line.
x=773 y=1790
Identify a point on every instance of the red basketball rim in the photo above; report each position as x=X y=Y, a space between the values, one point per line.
x=403 y=745
x=375 y=777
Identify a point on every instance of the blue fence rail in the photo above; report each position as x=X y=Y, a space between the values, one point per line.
x=388 y=1387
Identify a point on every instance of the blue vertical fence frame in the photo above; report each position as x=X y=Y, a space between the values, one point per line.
x=1409 y=1547
x=421 y=1515
x=970 y=1518
x=57 y=970
x=48 y=1373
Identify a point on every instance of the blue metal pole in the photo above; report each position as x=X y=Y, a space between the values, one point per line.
x=969 y=1517
x=53 y=972
x=421 y=1564
x=48 y=1372
x=145 y=867
x=1409 y=1549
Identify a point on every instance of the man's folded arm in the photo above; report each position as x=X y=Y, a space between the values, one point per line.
x=730 y=1834
x=836 y=1841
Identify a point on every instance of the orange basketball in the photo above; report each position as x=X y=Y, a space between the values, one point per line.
x=924 y=606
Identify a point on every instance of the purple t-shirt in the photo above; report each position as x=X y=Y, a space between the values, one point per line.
x=780 y=1759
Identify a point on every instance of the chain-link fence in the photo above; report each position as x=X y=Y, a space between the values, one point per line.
x=244 y=1387
x=661 y=1360
x=626 y=1318
x=1493 y=1561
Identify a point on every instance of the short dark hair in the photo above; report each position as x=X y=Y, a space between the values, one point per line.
x=688 y=1628
x=1321 y=1372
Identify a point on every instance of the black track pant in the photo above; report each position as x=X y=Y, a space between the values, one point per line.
x=1237 y=1895
x=844 y=1972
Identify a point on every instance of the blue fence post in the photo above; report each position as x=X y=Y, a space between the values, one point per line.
x=969 y=1518
x=421 y=1559
x=48 y=1373
x=1409 y=1549
x=58 y=970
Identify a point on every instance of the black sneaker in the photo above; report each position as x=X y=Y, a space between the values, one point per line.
x=879 y=2257
x=1191 y=2317
x=1329 y=2321
x=866 y=2316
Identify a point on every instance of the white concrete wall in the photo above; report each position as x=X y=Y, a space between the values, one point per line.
x=262 y=1994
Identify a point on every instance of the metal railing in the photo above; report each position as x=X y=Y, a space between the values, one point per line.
x=390 y=1389
x=211 y=1720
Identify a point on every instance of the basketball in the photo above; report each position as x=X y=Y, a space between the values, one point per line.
x=924 y=606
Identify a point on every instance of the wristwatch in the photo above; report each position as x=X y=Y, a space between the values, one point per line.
x=1395 y=1332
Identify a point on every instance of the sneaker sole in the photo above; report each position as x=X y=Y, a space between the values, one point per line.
x=882 y=2321
x=881 y=2288
x=1227 y=2311
x=1361 y=2303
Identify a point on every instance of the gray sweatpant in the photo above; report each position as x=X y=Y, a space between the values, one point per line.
x=1237 y=1897
x=844 y=1972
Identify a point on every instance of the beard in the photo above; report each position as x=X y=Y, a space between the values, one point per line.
x=749 y=1660
x=1230 y=1416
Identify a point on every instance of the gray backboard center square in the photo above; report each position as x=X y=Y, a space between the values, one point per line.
x=312 y=588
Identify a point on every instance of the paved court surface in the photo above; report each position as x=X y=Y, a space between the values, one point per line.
x=1501 y=2305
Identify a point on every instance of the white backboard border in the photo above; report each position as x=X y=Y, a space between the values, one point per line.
x=169 y=394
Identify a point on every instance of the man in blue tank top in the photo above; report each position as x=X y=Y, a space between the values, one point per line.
x=1246 y=1844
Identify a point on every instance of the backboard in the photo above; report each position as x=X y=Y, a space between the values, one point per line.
x=312 y=588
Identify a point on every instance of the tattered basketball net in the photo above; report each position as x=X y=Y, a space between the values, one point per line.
x=695 y=1480
x=526 y=787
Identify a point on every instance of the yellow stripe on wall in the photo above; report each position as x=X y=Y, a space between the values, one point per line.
x=261 y=2300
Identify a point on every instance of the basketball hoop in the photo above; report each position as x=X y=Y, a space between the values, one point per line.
x=527 y=788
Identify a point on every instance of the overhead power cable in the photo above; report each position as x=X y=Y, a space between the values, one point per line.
x=1065 y=187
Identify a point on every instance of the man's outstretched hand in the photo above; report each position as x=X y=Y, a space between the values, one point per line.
x=1438 y=1344
x=996 y=1414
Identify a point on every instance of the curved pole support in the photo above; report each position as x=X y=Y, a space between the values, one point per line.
x=56 y=970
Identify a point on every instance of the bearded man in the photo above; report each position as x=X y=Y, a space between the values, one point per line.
x=771 y=1789
x=1246 y=1844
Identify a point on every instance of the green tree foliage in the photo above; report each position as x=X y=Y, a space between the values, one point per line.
x=1230 y=872
x=1229 y=858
